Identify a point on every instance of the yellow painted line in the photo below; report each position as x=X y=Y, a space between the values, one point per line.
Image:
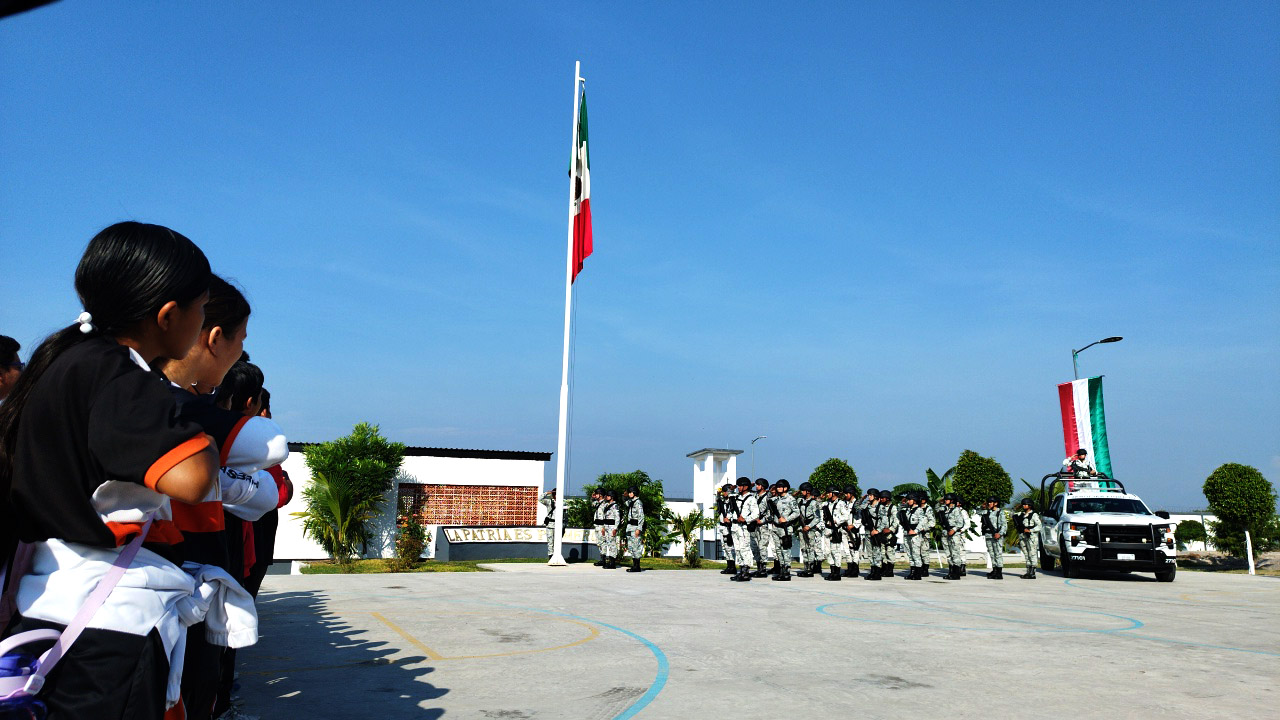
x=591 y=629
x=432 y=654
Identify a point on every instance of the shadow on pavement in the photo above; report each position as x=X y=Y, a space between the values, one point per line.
x=310 y=663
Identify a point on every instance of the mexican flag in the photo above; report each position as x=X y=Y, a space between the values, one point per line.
x=1084 y=422
x=581 y=193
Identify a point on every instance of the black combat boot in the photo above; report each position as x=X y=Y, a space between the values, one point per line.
x=776 y=568
x=817 y=568
x=731 y=568
x=635 y=565
x=954 y=572
x=807 y=571
x=964 y=570
x=760 y=571
x=913 y=572
x=833 y=573
x=888 y=570
x=784 y=573
x=924 y=570
x=736 y=576
x=1030 y=574
x=853 y=570
x=599 y=562
x=1000 y=573
x=744 y=575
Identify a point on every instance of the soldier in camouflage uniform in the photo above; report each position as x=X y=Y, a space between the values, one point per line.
x=548 y=501
x=924 y=521
x=887 y=524
x=724 y=528
x=785 y=513
x=748 y=513
x=862 y=512
x=837 y=552
x=1029 y=538
x=953 y=521
x=597 y=532
x=609 y=517
x=635 y=527
x=809 y=531
x=908 y=515
x=994 y=527
x=761 y=537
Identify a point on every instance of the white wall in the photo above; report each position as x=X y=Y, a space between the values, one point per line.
x=292 y=544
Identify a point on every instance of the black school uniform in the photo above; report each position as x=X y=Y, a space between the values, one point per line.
x=97 y=425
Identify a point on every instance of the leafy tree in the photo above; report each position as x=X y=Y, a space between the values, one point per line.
x=939 y=486
x=686 y=528
x=359 y=469
x=650 y=494
x=1243 y=500
x=578 y=513
x=977 y=478
x=1039 y=500
x=834 y=473
x=411 y=536
x=1189 y=531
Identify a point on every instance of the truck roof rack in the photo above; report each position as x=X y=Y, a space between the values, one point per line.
x=1071 y=484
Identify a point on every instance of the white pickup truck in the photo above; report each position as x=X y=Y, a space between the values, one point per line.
x=1094 y=523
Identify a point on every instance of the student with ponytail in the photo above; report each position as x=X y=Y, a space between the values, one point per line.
x=91 y=448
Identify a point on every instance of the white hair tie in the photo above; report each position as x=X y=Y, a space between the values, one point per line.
x=86 y=323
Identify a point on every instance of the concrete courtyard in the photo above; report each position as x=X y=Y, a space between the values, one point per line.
x=580 y=642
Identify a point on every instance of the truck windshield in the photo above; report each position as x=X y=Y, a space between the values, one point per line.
x=1107 y=505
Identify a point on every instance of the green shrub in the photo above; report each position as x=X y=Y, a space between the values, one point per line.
x=834 y=473
x=1242 y=499
x=978 y=478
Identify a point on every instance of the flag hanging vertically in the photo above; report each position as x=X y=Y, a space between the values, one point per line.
x=1084 y=422
x=582 y=192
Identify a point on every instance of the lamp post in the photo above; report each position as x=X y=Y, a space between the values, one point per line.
x=1075 y=369
x=753 y=455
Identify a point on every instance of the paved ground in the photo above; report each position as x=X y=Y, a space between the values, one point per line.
x=588 y=643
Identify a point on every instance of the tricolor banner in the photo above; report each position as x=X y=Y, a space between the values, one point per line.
x=1084 y=422
x=581 y=193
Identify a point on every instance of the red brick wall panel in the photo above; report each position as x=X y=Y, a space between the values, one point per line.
x=473 y=504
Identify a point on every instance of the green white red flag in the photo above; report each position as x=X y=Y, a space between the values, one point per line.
x=1084 y=422
x=581 y=192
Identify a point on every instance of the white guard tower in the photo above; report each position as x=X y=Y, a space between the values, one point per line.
x=712 y=467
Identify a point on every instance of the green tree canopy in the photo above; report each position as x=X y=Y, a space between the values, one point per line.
x=978 y=478
x=898 y=490
x=1243 y=500
x=1190 y=531
x=834 y=473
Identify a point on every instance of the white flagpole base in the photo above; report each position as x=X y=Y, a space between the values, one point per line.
x=556 y=561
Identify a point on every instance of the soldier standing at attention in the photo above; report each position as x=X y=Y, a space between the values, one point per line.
x=810 y=532
x=760 y=536
x=953 y=529
x=635 y=527
x=748 y=511
x=609 y=531
x=724 y=527
x=861 y=511
x=837 y=552
x=1030 y=538
x=597 y=514
x=887 y=524
x=850 y=534
x=549 y=522
x=908 y=515
x=994 y=527
x=925 y=523
x=784 y=523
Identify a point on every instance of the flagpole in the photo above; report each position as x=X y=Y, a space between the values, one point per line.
x=557 y=556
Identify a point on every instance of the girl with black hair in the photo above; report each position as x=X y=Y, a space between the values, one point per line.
x=90 y=446
x=246 y=445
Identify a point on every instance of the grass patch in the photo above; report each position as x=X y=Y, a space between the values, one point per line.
x=381 y=565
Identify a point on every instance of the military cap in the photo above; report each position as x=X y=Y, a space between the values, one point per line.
x=743 y=482
x=885 y=495
x=784 y=484
x=761 y=482
x=873 y=492
x=806 y=486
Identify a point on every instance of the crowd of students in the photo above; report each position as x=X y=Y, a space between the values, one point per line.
x=140 y=483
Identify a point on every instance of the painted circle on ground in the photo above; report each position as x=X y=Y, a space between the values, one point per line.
x=1027 y=625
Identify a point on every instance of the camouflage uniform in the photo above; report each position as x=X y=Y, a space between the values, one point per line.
x=761 y=537
x=994 y=528
x=784 y=524
x=749 y=511
x=609 y=533
x=912 y=516
x=724 y=531
x=597 y=529
x=838 y=548
x=548 y=501
x=924 y=528
x=811 y=541
x=635 y=527
x=1030 y=541
x=861 y=511
x=952 y=521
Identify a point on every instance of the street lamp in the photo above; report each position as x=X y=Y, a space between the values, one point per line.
x=1074 y=367
x=753 y=456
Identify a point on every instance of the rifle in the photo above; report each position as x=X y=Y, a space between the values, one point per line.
x=903 y=520
x=1019 y=523
x=988 y=528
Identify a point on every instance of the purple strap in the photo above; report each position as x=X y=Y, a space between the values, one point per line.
x=87 y=611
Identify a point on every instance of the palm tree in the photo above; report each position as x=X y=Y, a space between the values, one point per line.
x=337 y=517
x=686 y=528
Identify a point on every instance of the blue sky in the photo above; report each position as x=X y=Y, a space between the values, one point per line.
x=872 y=232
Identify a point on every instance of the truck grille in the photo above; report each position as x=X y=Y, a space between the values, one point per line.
x=1125 y=534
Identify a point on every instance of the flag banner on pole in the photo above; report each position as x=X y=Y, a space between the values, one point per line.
x=1084 y=422
x=581 y=193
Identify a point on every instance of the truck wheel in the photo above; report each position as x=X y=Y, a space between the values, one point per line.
x=1046 y=560
x=1167 y=575
x=1066 y=562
